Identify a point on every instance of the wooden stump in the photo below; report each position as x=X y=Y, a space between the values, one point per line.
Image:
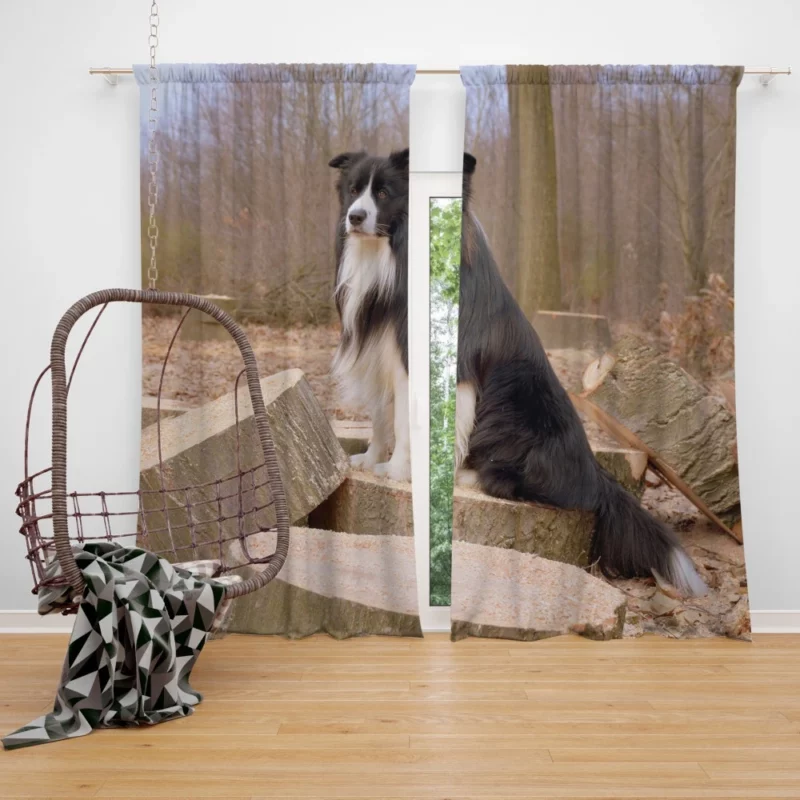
x=333 y=582
x=200 y=447
x=169 y=408
x=367 y=504
x=693 y=431
x=566 y=330
x=525 y=527
x=629 y=467
x=505 y=594
x=553 y=533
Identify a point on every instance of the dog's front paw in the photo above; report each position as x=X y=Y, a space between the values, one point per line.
x=363 y=460
x=395 y=470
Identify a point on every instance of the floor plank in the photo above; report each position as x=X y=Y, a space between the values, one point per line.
x=410 y=718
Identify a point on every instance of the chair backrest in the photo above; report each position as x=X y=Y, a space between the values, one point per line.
x=60 y=384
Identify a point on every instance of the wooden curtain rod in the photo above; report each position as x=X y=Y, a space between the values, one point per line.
x=747 y=70
x=766 y=74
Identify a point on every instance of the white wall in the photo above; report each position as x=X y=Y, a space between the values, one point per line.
x=69 y=199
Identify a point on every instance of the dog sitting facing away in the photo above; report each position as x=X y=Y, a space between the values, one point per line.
x=519 y=436
x=371 y=362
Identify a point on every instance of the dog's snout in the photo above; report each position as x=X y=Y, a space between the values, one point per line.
x=357 y=216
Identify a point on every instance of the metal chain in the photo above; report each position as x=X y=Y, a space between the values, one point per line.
x=152 y=149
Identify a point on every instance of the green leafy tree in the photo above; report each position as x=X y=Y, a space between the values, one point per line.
x=445 y=259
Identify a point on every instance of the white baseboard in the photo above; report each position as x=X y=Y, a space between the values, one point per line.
x=781 y=621
x=31 y=622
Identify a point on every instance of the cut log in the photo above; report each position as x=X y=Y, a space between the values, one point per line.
x=596 y=372
x=626 y=465
x=569 y=365
x=525 y=527
x=199 y=326
x=199 y=447
x=338 y=583
x=367 y=504
x=692 y=431
x=552 y=533
x=353 y=435
x=504 y=594
x=169 y=408
x=654 y=461
x=564 y=329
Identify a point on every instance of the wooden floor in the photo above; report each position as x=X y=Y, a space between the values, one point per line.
x=405 y=718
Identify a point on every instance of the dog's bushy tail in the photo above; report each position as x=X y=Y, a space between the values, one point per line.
x=629 y=542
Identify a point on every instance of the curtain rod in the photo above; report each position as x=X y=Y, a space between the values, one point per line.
x=766 y=73
x=748 y=71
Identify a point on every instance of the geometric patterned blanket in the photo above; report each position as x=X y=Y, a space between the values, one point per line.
x=139 y=630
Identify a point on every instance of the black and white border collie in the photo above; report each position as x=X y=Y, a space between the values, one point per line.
x=518 y=435
x=371 y=362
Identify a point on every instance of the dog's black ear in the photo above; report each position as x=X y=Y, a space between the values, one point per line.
x=399 y=160
x=345 y=160
x=469 y=163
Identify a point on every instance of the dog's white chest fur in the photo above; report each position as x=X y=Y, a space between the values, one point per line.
x=367 y=263
x=365 y=370
x=368 y=364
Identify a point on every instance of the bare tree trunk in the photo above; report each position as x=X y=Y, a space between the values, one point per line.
x=533 y=159
x=697 y=191
x=605 y=250
x=570 y=228
x=658 y=248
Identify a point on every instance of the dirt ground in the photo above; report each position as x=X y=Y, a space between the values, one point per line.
x=201 y=371
x=724 y=611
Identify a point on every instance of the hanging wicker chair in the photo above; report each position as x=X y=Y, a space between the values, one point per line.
x=212 y=520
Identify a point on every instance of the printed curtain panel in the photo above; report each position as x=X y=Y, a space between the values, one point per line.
x=598 y=492
x=249 y=214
